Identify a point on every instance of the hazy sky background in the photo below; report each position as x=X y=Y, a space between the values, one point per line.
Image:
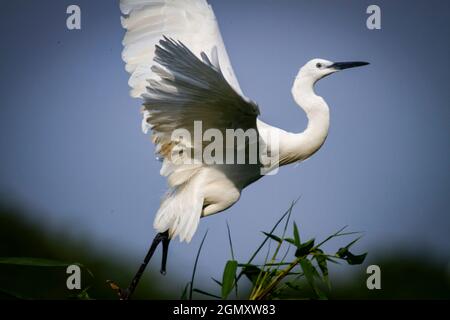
x=72 y=149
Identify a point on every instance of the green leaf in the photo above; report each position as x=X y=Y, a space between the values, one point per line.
x=184 y=293
x=207 y=293
x=251 y=272
x=38 y=262
x=355 y=259
x=230 y=241
x=351 y=259
x=34 y=262
x=323 y=266
x=229 y=276
x=217 y=281
x=308 y=270
x=273 y=237
x=342 y=252
x=339 y=233
x=296 y=236
x=290 y=240
x=353 y=242
x=195 y=265
x=304 y=249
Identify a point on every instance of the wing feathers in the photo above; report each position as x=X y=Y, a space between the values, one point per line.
x=190 y=21
x=181 y=81
x=189 y=89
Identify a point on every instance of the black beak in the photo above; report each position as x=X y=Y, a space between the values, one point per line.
x=347 y=65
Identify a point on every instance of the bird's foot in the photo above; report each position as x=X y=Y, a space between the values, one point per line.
x=163 y=237
x=124 y=294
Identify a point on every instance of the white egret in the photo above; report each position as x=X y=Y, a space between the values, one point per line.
x=180 y=68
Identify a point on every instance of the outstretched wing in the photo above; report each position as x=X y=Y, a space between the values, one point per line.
x=189 y=21
x=190 y=90
x=179 y=66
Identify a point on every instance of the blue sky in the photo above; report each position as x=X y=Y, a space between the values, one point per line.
x=73 y=152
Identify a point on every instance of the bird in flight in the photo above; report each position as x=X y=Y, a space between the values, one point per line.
x=180 y=69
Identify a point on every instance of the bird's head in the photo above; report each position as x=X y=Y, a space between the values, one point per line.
x=316 y=69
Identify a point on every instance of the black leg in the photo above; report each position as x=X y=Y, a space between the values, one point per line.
x=165 y=248
x=164 y=237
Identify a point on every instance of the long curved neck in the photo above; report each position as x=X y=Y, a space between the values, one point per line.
x=300 y=146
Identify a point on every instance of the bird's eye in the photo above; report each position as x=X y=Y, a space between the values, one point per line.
x=319 y=65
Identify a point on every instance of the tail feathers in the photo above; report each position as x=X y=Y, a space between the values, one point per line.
x=180 y=212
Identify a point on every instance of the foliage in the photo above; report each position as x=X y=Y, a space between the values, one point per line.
x=305 y=272
x=410 y=271
x=292 y=265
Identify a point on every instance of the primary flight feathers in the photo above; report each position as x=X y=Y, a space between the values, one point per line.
x=190 y=21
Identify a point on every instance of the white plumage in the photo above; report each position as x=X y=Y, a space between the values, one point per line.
x=190 y=21
x=180 y=68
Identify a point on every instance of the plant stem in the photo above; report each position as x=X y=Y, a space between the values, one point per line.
x=277 y=280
